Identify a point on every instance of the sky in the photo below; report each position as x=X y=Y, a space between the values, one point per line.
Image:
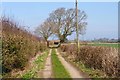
x=59 y=0
x=102 y=16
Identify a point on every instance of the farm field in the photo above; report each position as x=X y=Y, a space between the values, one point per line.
x=114 y=45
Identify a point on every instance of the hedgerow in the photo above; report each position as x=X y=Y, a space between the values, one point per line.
x=18 y=45
x=102 y=58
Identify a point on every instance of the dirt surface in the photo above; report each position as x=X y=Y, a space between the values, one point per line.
x=74 y=73
x=47 y=72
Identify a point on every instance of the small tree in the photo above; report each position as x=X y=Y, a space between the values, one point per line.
x=44 y=30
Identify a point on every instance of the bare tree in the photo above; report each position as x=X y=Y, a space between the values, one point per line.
x=64 y=22
x=44 y=30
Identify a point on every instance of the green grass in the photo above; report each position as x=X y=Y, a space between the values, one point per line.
x=107 y=45
x=38 y=65
x=58 y=69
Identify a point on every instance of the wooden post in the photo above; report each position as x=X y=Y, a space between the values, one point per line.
x=77 y=34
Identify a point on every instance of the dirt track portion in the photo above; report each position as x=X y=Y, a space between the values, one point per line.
x=47 y=72
x=74 y=73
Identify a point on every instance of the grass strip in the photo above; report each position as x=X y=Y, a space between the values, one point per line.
x=38 y=65
x=58 y=69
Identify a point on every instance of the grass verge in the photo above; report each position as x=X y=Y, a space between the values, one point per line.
x=58 y=69
x=38 y=64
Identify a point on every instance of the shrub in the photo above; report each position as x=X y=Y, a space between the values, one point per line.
x=103 y=58
x=18 y=46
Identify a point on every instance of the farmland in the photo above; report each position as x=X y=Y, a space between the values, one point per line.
x=116 y=45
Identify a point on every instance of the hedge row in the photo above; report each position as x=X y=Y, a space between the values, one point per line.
x=18 y=46
x=103 y=58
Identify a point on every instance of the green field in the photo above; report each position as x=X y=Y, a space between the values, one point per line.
x=106 y=44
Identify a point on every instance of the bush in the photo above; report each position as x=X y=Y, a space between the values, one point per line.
x=103 y=58
x=18 y=46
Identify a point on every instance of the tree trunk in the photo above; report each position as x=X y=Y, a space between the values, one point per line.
x=63 y=38
x=47 y=43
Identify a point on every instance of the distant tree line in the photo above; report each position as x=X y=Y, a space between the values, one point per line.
x=106 y=40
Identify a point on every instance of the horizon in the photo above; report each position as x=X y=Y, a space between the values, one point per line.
x=101 y=16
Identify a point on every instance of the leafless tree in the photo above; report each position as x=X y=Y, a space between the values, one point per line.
x=44 y=30
x=64 y=22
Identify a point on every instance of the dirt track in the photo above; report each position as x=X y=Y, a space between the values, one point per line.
x=47 y=72
x=74 y=73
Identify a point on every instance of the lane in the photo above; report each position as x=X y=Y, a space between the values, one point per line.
x=74 y=73
x=47 y=72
